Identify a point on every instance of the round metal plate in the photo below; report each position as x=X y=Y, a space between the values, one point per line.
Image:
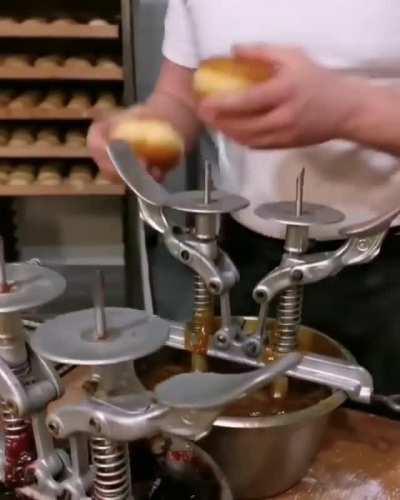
x=31 y=286
x=285 y=212
x=71 y=339
x=193 y=202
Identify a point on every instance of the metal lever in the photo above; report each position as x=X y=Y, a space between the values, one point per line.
x=219 y=276
x=203 y=391
x=187 y=406
x=135 y=176
x=379 y=224
x=363 y=246
x=151 y=195
x=349 y=377
x=392 y=402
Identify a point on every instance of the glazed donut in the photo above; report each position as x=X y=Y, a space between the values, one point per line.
x=156 y=142
x=50 y=175
x=21 y=137
x=22 y=175
x=225 y=75
x=48 y=137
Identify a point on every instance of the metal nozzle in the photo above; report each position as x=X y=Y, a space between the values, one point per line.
x=99 y=306
x=300 y=193
x=207 y=182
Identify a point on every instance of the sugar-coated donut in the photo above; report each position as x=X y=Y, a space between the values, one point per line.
x=5 y=169
x=50 y=61
x=22 y=175
x=55 y=99
x=80 y=101
x=48 y=137
x=22 y=137
x=156 y=142
x=75 y=139
x=25 y=100
x=225 y=75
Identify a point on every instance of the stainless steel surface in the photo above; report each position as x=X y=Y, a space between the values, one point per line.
x=312 y=214
x=201 y=391
x=71 y=338
x=31 y=286
x=193 y=202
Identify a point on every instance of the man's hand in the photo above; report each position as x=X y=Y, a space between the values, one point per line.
x=301 y=104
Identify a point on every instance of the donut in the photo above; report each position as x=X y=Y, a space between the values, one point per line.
x=155 y=142
x=226 y=75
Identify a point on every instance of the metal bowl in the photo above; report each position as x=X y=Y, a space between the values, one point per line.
x=264 y=456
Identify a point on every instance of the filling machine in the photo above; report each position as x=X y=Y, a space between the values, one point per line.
x=220 y=407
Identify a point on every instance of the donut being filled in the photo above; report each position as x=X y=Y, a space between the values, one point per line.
x=223 y=75
x=155 y=142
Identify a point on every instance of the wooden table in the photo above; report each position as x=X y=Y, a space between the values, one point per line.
x=359 y=460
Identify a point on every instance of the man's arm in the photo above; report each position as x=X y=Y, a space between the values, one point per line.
x=172 y=100
x=304 y=104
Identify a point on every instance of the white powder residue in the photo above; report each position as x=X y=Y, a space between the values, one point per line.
x=346 y=487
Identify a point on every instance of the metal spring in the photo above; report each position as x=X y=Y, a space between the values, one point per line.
x=111 y=470
x=14 y=426
x=22 y=372
x=202 y=305
x=288 y=319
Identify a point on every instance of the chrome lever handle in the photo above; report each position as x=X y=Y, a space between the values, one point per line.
x=392 y=401
x=364 y=244
x=151 y=195
x=135 y=176
x=372 y=227
x=209 y=391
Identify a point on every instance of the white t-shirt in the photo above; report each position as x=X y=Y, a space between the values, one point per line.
x=358 y=36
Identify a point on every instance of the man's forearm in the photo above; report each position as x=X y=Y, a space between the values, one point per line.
x=374 y=119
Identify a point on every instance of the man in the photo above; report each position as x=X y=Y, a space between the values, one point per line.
x=332 y=106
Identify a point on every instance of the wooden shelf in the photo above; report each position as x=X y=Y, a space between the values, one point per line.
x=12 y=29
x=62 y=190
x=60 y=73
x=35 y=152
x=38 y=113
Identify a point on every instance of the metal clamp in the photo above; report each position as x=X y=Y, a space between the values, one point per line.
x=33 y=398
x=363 y=246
